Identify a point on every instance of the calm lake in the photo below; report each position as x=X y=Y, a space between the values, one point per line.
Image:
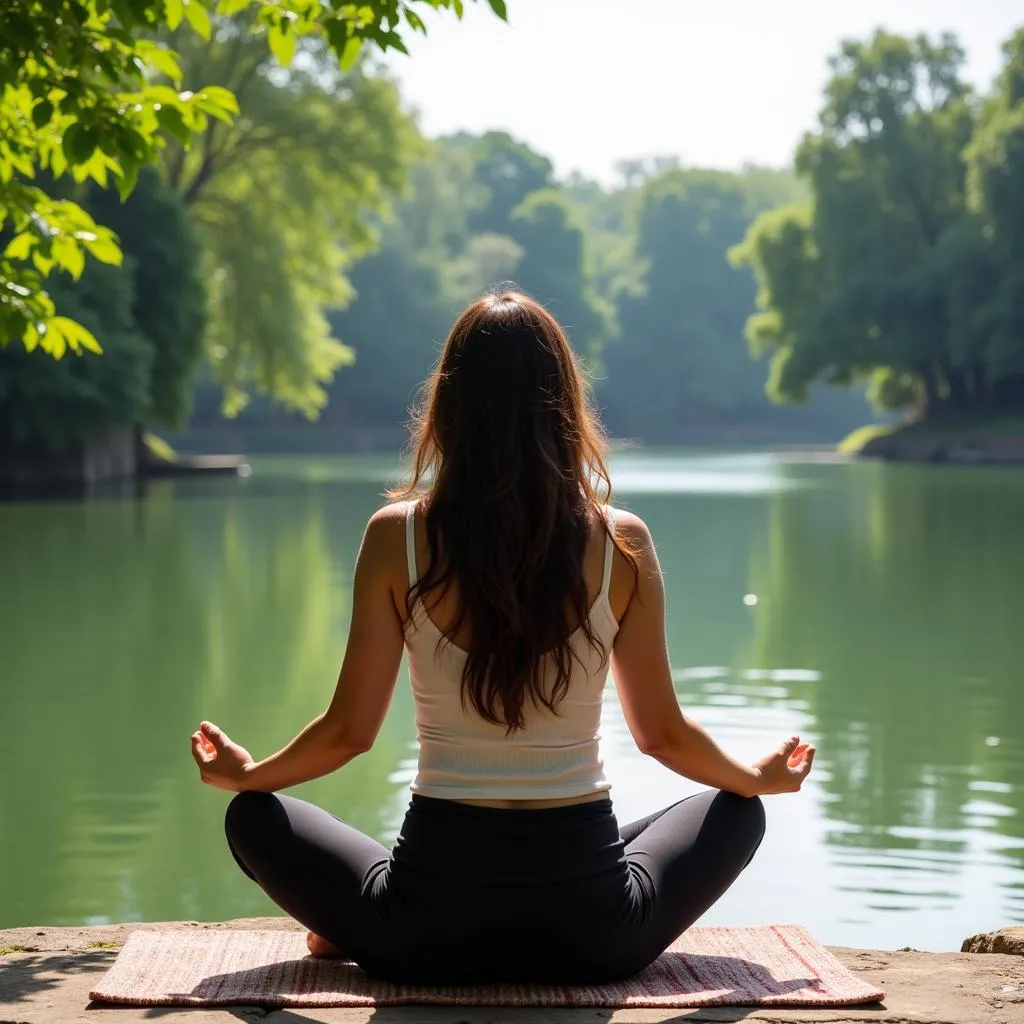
x=876 y=610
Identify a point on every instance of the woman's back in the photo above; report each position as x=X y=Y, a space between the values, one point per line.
x=465 y=757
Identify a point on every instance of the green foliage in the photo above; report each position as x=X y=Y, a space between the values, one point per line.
x=555 y=268
x=856 y=439
x=75 y=99
x=506 y=172
x=148 y=313
x=428 y=266
x=455 y=237
x=906 y=270
x=169 y=294
x=78 y=95
x=513 y=196
x=485 y=262
x=609 y=216
x=158 y=448
x=48 y=406
x=395 y=328
x=282 y=198
x=680 y=359
x=653 y=253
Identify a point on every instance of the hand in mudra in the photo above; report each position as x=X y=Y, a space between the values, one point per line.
x=784 y=771
x=222 y=762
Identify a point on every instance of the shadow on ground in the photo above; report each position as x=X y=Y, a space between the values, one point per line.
x=26 y=977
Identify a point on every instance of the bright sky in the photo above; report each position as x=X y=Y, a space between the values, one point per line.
x=717 y=82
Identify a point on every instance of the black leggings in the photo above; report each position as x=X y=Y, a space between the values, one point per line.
x=471 y=895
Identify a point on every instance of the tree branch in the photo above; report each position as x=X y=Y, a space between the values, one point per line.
x=212 y=159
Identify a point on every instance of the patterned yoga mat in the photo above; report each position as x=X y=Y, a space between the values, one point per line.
x=781 y=965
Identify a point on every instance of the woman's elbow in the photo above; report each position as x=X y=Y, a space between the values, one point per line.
x=653 y=744
x=346 y=742
x=354 y=744
x=661 y=739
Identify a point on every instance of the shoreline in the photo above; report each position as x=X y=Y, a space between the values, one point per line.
x=955 y=441
x=47 y=972
x=946 y=449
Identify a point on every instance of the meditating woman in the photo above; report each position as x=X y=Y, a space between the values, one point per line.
x=513 y=588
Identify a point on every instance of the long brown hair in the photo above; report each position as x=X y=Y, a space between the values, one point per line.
x=510 y=469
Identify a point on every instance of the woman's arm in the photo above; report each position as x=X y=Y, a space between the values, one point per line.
x=366 y=682
x=643 y=677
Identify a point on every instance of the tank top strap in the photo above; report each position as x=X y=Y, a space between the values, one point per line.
x=410 y=542
x=609 y=550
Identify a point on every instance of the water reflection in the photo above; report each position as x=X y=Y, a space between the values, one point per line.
x=885 y=629
x=127 y=623
x=898 y=585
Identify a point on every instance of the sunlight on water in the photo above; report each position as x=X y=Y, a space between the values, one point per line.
x=885 y=631
x=635 y=474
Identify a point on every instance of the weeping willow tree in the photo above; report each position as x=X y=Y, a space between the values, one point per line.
x=284 y=197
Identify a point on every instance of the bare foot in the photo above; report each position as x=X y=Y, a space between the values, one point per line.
x=322 y=948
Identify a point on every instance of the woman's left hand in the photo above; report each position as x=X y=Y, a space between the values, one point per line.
x=222 y=763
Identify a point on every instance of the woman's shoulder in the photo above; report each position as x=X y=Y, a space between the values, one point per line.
x=392 y=512
x=629 y=528
x=385 y=530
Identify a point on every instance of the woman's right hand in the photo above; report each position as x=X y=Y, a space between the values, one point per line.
x=784 y=771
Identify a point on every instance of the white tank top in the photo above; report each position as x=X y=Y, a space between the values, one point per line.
x=462 y=756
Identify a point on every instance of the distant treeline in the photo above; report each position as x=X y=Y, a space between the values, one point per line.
x=299 y=268
x=639 y=276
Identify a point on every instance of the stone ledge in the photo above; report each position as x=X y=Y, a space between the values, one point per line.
x=1006 y=940
x=46 y=974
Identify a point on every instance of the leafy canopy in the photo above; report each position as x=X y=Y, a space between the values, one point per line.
x=889 y=274
x=84 y=92
x=284 y=198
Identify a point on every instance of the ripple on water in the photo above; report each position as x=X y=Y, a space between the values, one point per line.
x=681 y=675
x=986 y=786
x=784 y=675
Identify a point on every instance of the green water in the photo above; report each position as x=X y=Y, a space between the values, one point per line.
x=888 y=628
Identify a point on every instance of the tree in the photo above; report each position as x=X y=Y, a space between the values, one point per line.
x=395 y=326
x=169 y=304
x=76 y=97
x=505 y=172
x=994 y=304
x=555 y=268
x=609 y=216
x=408 y=293
x=46 y=405
x=284 y=198
x=515 y=196
x=892 y=274
x=683 y=364
x=680 y=360
x=149 y=312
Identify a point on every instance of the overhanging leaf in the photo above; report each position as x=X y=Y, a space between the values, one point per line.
x=76 y=336
x=174 y=11
x=197 y=17
x=281 y=40
x=350 y=52
x=105 y=249
x=20 y=246
x=42 y=113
